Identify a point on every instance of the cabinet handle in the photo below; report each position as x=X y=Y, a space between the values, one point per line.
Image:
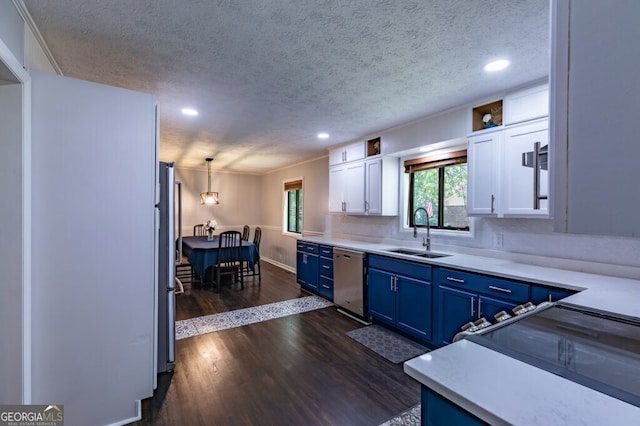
x=325 y=267
x=536 y=177
x=473 y=300
x=479 y=308
x=504 y=290
x=570 y=353
x=325 y=286
x=344 y=206
x=560 y=349
x=391 y=282
x=493 y=198
x=455 y=280
x=366 y=206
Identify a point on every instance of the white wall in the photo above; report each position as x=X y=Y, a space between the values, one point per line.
x=277 y=246
x=239 y=196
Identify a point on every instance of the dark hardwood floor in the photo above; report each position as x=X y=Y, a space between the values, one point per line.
x=296 y=370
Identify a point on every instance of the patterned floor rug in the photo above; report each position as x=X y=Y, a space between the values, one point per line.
x=224 y=320
x=386 y=343
x=411 y=417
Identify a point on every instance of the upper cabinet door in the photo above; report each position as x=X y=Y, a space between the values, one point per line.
x=525 y=105
x=520 y=185
x=352 y=152
x=483 y=165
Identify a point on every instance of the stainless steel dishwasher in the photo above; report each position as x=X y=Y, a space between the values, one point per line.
x=348 y=274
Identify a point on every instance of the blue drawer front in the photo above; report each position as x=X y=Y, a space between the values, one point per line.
x=326 y=267
x=504 y=289
x=408 y=269
x=326 y=251
x=307 y=247
x=325 y=287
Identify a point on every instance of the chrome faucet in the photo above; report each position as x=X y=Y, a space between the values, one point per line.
x=426 y=241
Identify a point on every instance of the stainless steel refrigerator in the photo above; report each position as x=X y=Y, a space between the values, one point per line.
x=168 y=207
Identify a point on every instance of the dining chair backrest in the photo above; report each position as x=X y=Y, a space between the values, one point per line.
x=198 y=230
x=229 y=248
x=257 y=235
x=245 y=232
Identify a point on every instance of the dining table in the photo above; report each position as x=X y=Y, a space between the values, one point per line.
x=202 y=252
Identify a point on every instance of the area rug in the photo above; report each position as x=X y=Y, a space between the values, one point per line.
x=411 y=417
x=386 y=343
x=225 y=320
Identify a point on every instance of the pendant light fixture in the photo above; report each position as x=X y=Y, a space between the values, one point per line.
x=209 y=197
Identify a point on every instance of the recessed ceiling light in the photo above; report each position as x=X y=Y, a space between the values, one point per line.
x=426 y=148
x=323 y=135
x=190 y=112
x=497 y=65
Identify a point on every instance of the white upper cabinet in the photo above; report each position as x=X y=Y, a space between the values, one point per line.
x=346 y=188
x=525 y=181
x=483 y=174
x=508 y=164
x=368 y=186
x=381 y=186
x=526 y=105
x=351 y=152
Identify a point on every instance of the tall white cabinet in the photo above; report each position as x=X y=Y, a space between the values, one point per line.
x=596 y=88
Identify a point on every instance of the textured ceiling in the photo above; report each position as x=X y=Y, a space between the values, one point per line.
x=268 y=75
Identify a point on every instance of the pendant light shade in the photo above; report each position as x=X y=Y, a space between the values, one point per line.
x=209 y=197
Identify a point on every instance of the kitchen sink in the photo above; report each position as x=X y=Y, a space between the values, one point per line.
x=405 y=251
x=419 y=253
x=432 y=255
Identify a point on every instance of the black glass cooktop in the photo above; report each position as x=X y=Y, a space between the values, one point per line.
x=596 y=349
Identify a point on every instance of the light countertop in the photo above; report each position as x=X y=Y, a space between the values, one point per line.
x=500 y=389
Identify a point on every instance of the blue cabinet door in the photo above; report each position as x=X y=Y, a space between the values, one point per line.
x=456 y=308
x=413 y=306
x=382 y=298
x=307 y=270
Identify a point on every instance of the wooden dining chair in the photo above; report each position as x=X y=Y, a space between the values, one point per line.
x=257 y=236
x=229 y=259
x=245 y=232
x=198 y=230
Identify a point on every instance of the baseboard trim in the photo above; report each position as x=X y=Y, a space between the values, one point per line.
x=279 y=265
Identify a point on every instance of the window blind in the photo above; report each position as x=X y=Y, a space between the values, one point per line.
x=293 y=185
x=437 y=160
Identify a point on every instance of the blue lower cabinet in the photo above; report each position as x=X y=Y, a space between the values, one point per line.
x=438 y=411
x=307 y=270
x=325 y=271
x=541 y=294
x=382 y=298
x=463 y=297
x=413 y=307
x=456 y=308
x=400 y=301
